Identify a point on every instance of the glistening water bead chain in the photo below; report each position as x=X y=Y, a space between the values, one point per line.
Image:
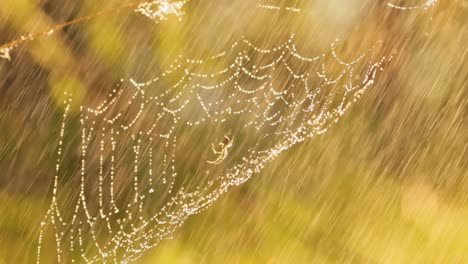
x=426 y=5
x=149 y=126
x=279 y=8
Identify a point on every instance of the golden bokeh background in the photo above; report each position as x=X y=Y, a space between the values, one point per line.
x=388 y=184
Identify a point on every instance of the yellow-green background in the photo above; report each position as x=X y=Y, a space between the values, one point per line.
x=388 y=184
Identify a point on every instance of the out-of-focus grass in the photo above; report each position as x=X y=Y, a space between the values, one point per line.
x=388 y=184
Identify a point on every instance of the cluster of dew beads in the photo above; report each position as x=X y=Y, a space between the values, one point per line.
x=5 y=50
x=154 y=153
x=161 y=10
x=5 y=53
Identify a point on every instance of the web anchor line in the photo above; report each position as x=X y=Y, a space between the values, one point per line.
x=157 y=10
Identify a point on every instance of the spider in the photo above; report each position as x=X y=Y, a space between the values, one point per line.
x=225 y=145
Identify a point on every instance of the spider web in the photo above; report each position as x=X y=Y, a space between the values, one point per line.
x=153 y=153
